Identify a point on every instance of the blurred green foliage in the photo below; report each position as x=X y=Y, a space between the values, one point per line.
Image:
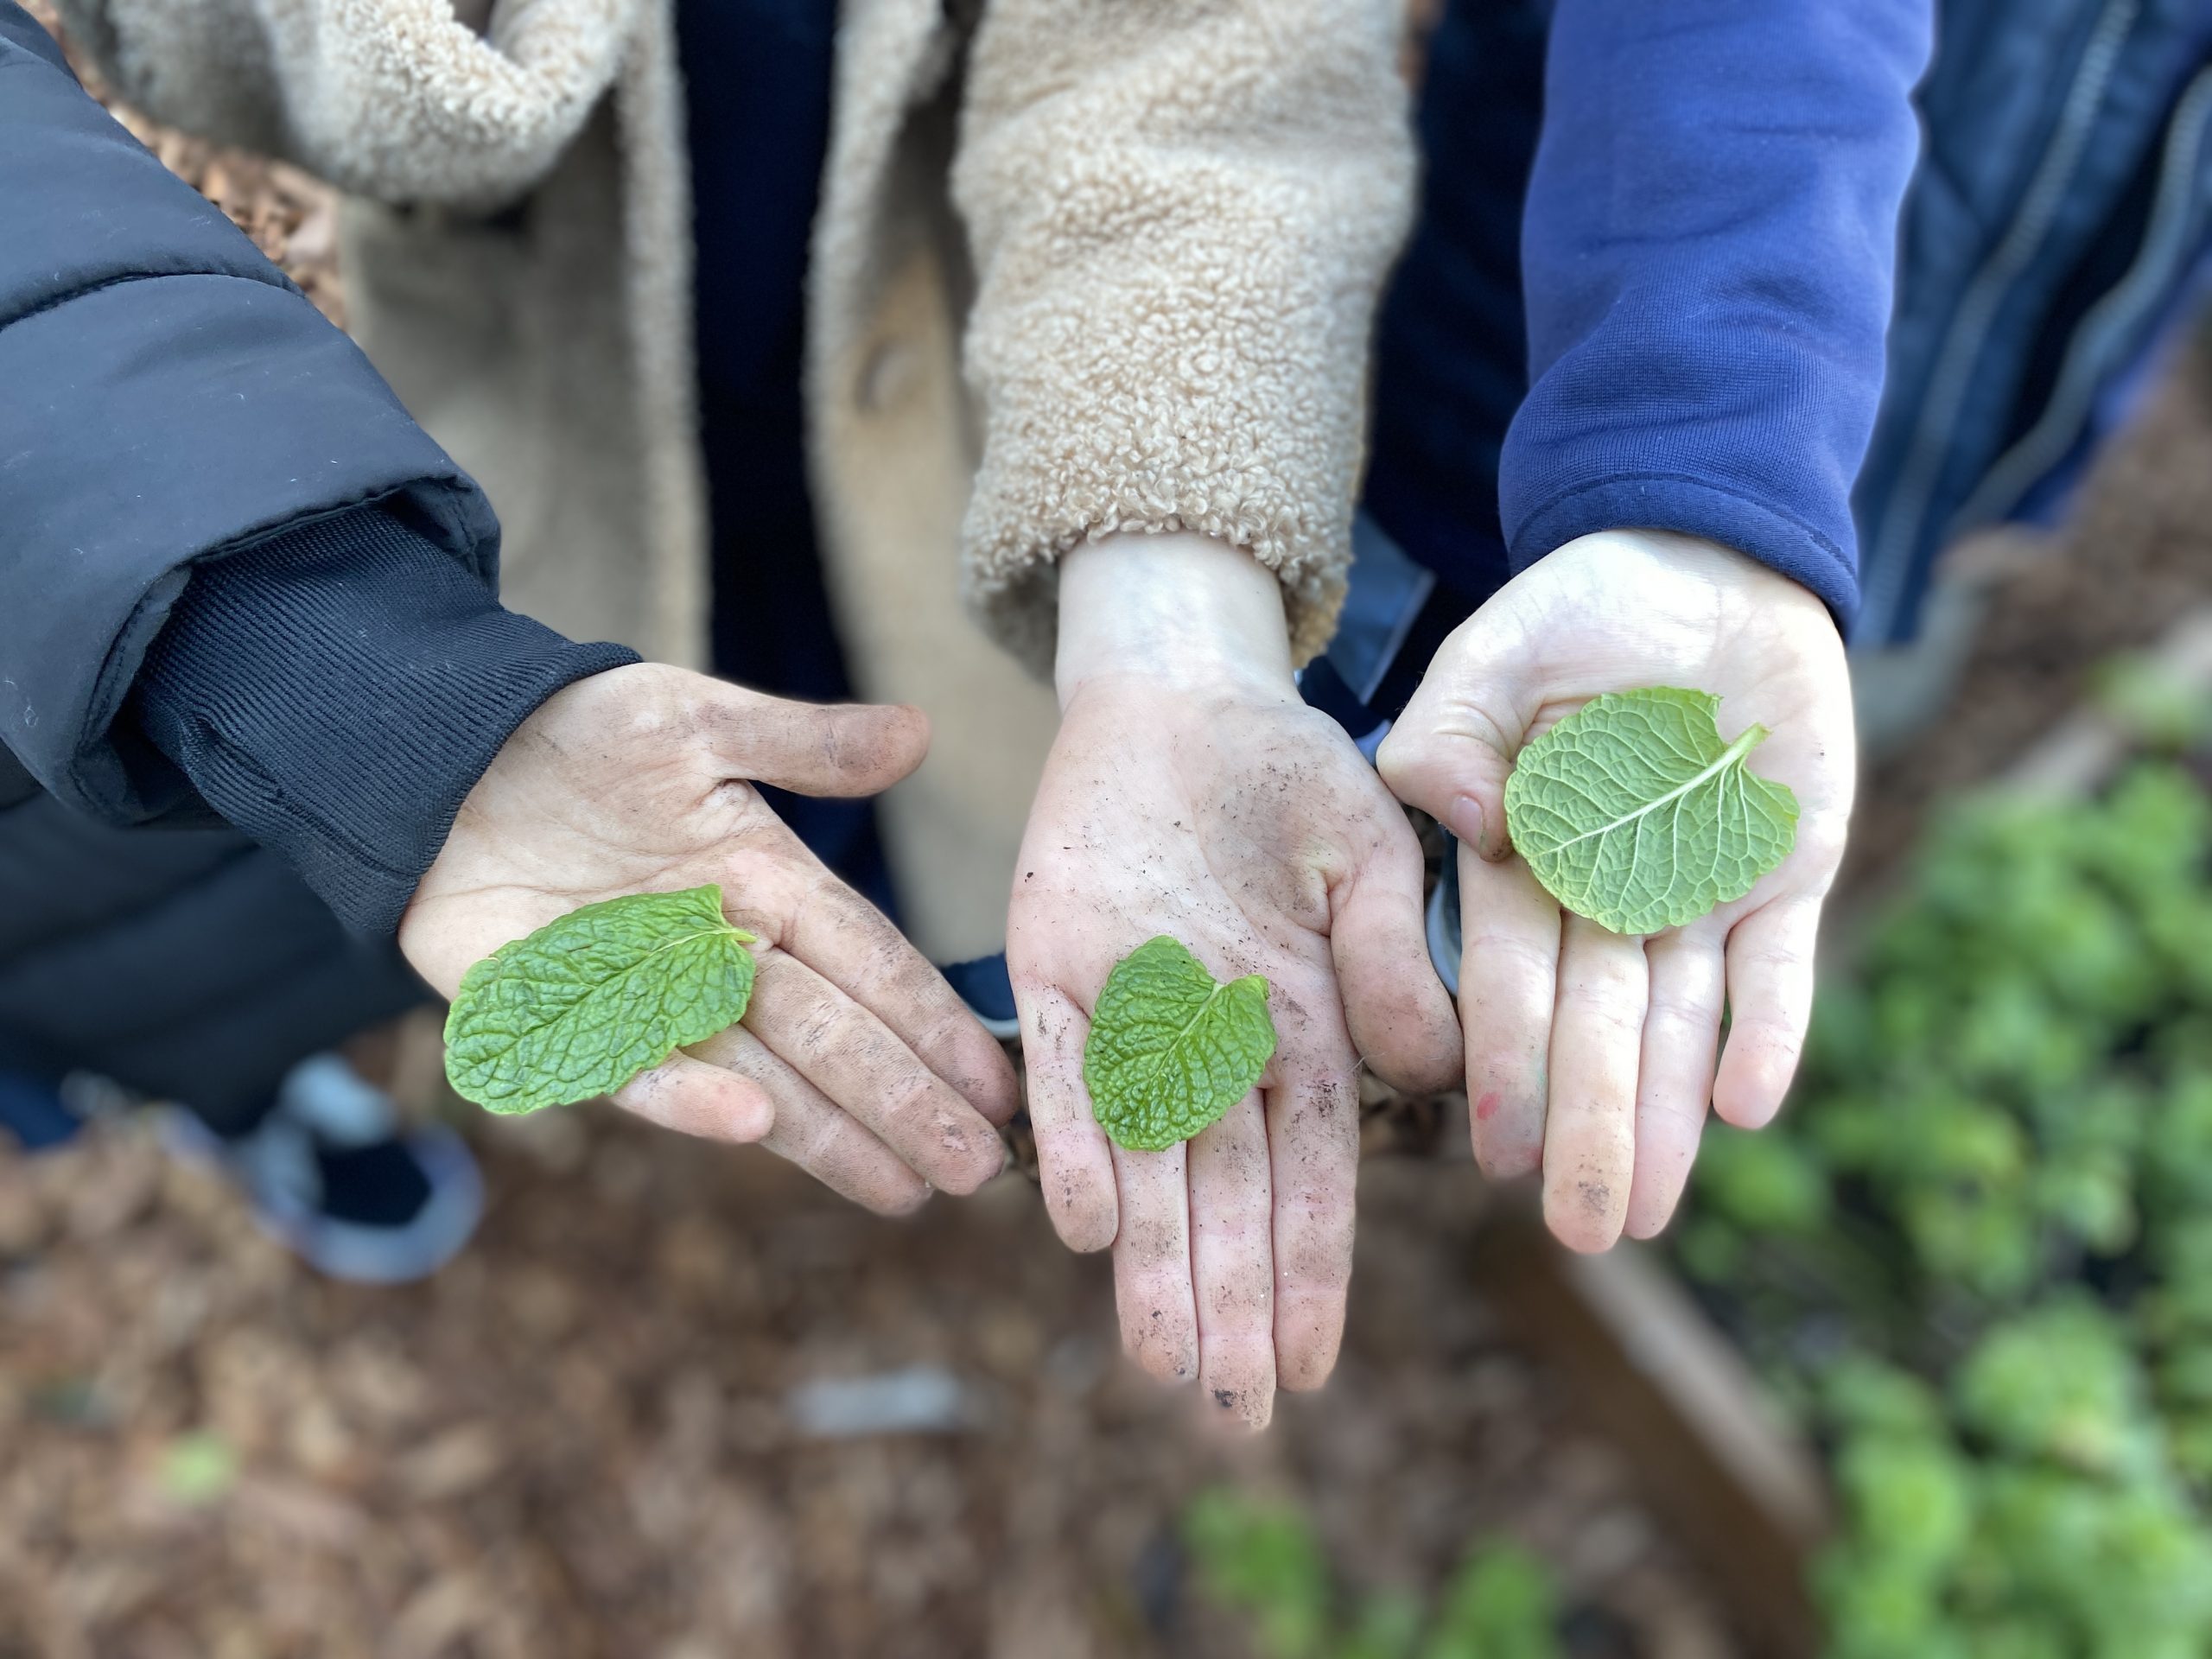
x=1976 y=1253
x=1265 y=1562
x=197 y=1468
x=2152 y=701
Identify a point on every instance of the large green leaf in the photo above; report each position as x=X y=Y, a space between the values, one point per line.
x=1171 y=1048
x=592 y=999
x=1635 y=812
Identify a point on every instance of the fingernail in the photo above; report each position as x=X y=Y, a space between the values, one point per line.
x=1465 y=820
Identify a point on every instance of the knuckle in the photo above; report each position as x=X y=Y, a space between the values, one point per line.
x=942 y=1030
x=815 y=1033
x=1398 y=759
x=654 y=723
x=1613 y=1016
x=915 y=1097
x=822 y=1147
x=1766 y=1043
x=1681 y=1009
x=1501 y=954
x=1318 y=1258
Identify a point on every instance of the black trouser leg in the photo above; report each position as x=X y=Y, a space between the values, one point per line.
x=190 y=965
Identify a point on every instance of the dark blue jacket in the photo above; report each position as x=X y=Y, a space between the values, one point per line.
x=239 y=590
x=2050 y=238
x=1670 y=312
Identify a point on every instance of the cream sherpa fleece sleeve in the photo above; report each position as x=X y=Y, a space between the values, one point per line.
x=397 y=100
x=1181 y=212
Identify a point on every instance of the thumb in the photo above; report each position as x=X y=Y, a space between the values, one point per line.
x=809 y=748
x=1451 y=750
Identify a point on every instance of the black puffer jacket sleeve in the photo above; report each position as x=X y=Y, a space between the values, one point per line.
x=189 y=451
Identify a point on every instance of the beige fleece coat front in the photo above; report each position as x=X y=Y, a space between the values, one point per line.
x=1080 y=267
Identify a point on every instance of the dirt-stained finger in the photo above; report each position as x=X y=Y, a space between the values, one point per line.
x=856 y=948
x=856 y=1060
x=1152 y=1262
x=1313 y=1116
x=1596 y=1047
x=833 y=749
x=811 y=1131
x=1075 y=1160
x=1232 y=1263
x=1398 y=1012
x=693 y=1097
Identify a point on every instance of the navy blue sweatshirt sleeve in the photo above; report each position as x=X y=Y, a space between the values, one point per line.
x=1708 y=251
x=336 y=689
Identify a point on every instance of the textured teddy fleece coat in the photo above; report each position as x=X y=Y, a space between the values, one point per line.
x=1081 y=266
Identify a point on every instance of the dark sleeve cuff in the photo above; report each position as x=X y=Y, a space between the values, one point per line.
x=335 y=691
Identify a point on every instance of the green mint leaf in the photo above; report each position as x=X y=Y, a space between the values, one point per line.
x=1172 y=1048
x=592 y=999
x=1634 y=813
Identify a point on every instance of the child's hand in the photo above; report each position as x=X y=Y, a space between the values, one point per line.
x=855 y=1059
x=1190 y=792
x=1588 y=1054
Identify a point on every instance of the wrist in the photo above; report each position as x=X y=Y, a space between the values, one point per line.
x=337 y=690
x=1739 y=579
x=1177 y=608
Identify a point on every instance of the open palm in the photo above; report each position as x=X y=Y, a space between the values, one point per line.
x=1591 y=1054
x=855 y=1059
x=1235 y=819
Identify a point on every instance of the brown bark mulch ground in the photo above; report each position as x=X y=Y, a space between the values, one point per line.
x=583 y=1439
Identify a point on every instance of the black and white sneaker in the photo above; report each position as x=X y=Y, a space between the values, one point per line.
x=336 y=1178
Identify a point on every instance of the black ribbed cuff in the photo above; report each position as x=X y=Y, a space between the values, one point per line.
x=336 y=690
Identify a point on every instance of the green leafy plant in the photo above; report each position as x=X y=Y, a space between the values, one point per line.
x=1976 y=1253
x=1502 y=1604
x=1265 y=1562
x=2152 y=701
x=592 y=998
x=1634 y=813
x=1172 y=1048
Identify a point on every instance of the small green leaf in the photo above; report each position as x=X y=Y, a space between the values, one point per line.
x=198 y=1468
x=1633 y=812
x=592 y=999
x=1171 y=1048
